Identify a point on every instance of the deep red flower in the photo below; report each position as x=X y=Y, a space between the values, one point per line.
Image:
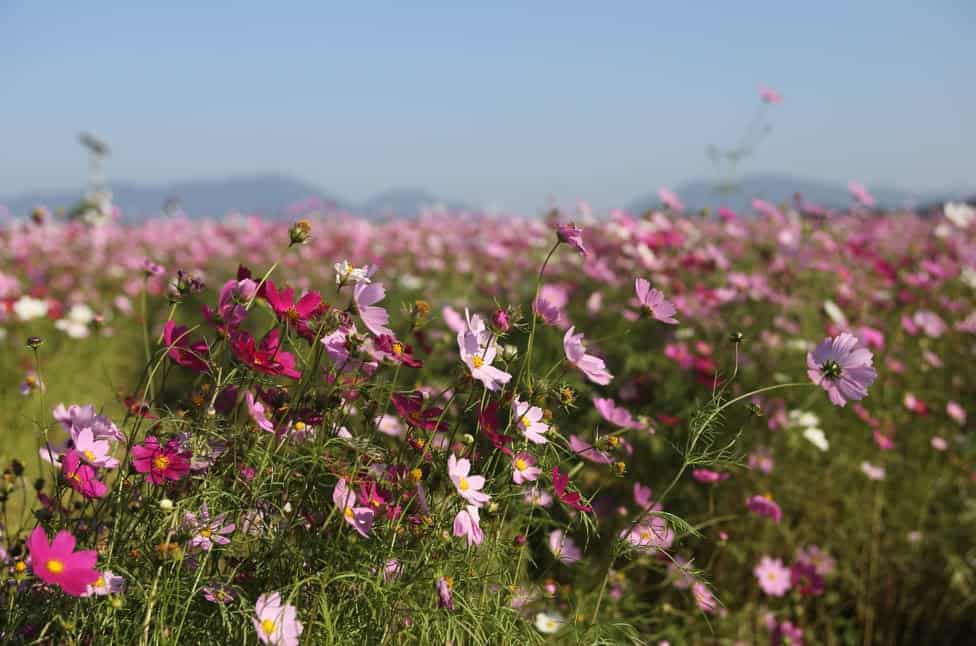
x=805 y=578
x=397 y=351
x=410 y=406
x=183 y=351
x=490 y=424
x=572 y=498
x=268 y=357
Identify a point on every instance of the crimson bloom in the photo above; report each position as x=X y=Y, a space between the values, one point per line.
x=183 y=351
x=266 y=357
x=805 y=578
x=59 y=564
x=572 y=498
x=160 y=462
x=411 y=408
x=292 y=312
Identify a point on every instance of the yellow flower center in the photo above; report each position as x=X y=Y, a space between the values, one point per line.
x=299 y=426
x=268 y=627
x=645 y=535
x=20 y=566
x=161 y=462
x=521 y=464
x=206 y=532
x=398 y=348
x=416 y=474
x=89 y=456
x=524 y=421
x=349 y=513
x=477 y=362
x=463 y=484
x=54 y=566
x=99 y=582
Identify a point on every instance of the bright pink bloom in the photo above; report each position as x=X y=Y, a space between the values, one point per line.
x=258 y=412
x=592 y=366
x=769 y=95
x=560 y=481
x=708 y=476
x=81 y=477
x=374 y=318
x=764 y=506
x=653 y=299
x=773 y=576
x=183 y=351
x=467 y=523
x=360 y=518
x=295 y=313
x=160 y=462
x=572 y=235
x=268 y=357
x=58 y=563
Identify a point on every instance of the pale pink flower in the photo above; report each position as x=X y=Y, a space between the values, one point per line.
x=467 y=523
x=529 y=421
x=524 y=468
x=653 y=299
x=468 y=486
x=592 y=366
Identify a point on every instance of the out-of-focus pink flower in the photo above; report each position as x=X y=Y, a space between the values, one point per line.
x=616 y=415
x=563 y=547
x=670 y=199
x=183 y=351
x=956 y=412
x=842 y=367
x=572 y=235
x=592 y=366
x=769 y=95
x=365 y=296
x=773 y=576
x=764 y=506
x=860 y=193
x=653 y=299
x=872 y=471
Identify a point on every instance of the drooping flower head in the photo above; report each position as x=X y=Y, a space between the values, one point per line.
x=365 y=296
x=764 y=506
x=653 y=299
x=57 y=562
x=560 y=482
x=467 y=524
x=842 y=366
x=592 y=366
x=572 y=235
x=358 y=517
x=276 y=623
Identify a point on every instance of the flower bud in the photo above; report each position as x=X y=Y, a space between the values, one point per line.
x=166 y=504
x=300 y=232
x=500 y=322
x=34 y=342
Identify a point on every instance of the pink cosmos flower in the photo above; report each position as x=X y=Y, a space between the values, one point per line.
x=365 y=296
x=207 y=531
x=842 y=367
x=872 y=471
x=107 y=583
x=787 y=634
x=860 y=193
x=295 y=313
x=258 y=412
x=478 y=350
x=708 y=476
x=773 y=576
x=653 y=299
x=956 y=412
x=563 y=547
x=94 y=452
x=764 y=506
x=57 y=563
x=805 y=578
x=762 y=460
x=820 y=559
x=572 y=235
x=769 y=95
x=81 y=477
x=360 y=518
x=939 y=443
x=160 y=462
x=670 y=199
x=276 y=623
x=468 y=486
x=183 y=351
x=704 y=598
x=445 y=598
x=524 y=468
x=467 y=523
x=233 y=299
x=529 y=421
x=650 y=536
x=592 y=366
x=616 y=415
x=74 y=418
x=587 y=451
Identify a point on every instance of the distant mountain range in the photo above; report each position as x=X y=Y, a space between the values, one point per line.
x=280 y=195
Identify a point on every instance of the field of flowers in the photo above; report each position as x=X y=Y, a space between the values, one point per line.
x=738 y=429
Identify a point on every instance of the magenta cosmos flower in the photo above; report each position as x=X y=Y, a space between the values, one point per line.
x=773 y=576
x=764 y=506
x=58 y=563
x=653 y=299
x=842 y=366
x=365 y=296
x=276 y=623
x=183 y=351
x=467 y=523
x=295 y=313
x=572 y=235
x=468 y=486
x=616 y=415
x=359 y=518
x=82 y=477
x=592 y=366
x=234 y=297
x=160 y=462
x=266 y=357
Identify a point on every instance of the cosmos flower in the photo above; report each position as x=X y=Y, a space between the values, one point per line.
x=106 y=583
x=81 y=477
x=653 y=299
x=266 y=357
x=183 y=351
x=707 y=476
x=57 y=562
x=207 y=531
x=587 y=451
x=478 y=351
x=216 y=593
x=365 y=296
x=524 y=468
x=294 y=313
x=413 y=408
x=650 y=536
x=616 y=415
x=769 y=95
x=842 y=367
x=358 y=517
x=467 y=524
x=704 y=598
x=560 y=481
x=549 y=622
x=563 y=547
x=258 y=412
x=805 y=579
x=670 y=199
x=873 y=472
x=764 y=506
x=346 y=273
x=773 y=576
x=276 y=623
x=468 y=486
x=445 y=595
x=160 y=462
x=529 y=421
x=592 y=366
x=572 y=235
x=94 y=452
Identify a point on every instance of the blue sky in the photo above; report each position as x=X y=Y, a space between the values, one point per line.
x=502 y=106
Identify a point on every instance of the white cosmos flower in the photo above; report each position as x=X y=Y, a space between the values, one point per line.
x=549 y=623
x=835 y=313
x=345 y=272
x=27 y=308
x=816 y=438
x=960 y=214
x=803 y=419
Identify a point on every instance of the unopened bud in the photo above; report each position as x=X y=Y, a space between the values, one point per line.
x=34 y=342
x=300 y=232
